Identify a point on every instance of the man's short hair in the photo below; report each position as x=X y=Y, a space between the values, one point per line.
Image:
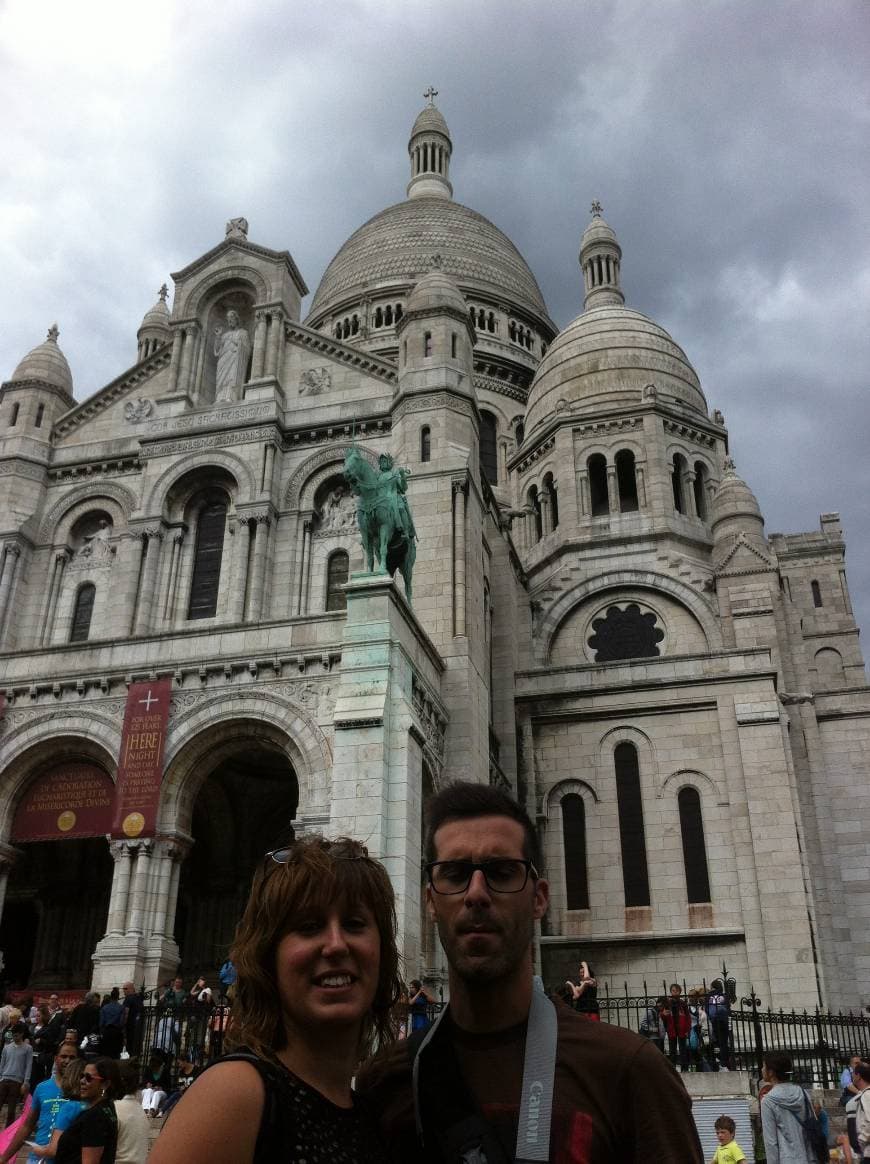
x=725 y=1124
x=463 y=800
x=862 y=1070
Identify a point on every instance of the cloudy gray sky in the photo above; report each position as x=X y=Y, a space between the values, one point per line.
x=728 y=143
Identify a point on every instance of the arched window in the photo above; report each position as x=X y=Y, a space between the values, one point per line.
x=489 y=447
x=337 y=571
x=40 y=413
x=626 y=480
x=453 y=345
x=550 y=490
x=83 y=608
x=632 y=838
x=520 y=430
x=700 y=487
x=208 y=552
x=677 y=473
x=379 y=317
x=388 y=315
x=399 y=312
x=597 y=467
x=425 y=443
x=817 y=593
x=694 y=849
x=574 y=841
x=427 y=344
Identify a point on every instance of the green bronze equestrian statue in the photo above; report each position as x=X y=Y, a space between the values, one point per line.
x=384 y=518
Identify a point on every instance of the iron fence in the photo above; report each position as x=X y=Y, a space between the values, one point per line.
x=819 y=1043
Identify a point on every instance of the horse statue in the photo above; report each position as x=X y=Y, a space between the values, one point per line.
x=383 y=515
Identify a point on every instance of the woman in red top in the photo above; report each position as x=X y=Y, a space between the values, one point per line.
x=678 y=1024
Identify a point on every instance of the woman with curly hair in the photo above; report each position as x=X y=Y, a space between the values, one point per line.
x=317 y=982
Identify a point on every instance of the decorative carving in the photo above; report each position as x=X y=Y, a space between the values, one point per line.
x=16 y=467
x=210 y=419
x=135 y=411
x=216 y=440
x=625 y=634
x=96 y=550
x=432 y=720
x=333 y=456
x=313 y=381
x=438 y=400
x=78 y=497
x=649 y=392
x=337 y=514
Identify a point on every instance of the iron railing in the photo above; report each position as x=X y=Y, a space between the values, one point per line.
x=820 y=1043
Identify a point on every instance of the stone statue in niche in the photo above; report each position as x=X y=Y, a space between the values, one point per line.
x=338 y=512
x=95 y=548
x=232 y=348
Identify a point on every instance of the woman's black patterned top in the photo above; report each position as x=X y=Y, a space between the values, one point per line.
x=301 y=1126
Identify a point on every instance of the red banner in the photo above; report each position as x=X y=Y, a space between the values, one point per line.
x=72 y=800
x=140 y=764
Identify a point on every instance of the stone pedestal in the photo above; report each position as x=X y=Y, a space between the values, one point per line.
x=267 y=388
x=387 y=659
x=173 y=404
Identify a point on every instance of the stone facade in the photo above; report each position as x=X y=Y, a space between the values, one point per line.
x=599 y=623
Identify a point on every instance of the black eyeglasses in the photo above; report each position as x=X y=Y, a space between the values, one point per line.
x=89 y=1078
x=502 y=874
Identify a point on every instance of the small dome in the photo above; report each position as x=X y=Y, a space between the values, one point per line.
x=597 y=232
x=433 y=291
x=430 y=120
x=158 y=315
x=46 y=363
x=606 y=358
x=734 y=498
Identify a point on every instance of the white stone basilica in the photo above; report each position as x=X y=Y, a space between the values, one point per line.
x=599 y=622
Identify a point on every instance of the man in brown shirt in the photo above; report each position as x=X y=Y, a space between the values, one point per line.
x=615 y=1097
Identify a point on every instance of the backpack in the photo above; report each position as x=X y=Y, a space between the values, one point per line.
x=717 y=1007
x=816 y=1142
x=227 y=974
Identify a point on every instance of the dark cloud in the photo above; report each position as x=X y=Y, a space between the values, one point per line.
x=727 y=142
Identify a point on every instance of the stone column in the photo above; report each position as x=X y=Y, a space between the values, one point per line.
x=172 y=895
x=275 y=329
x=306 y=580
x=58 y=565
x=242 y=534
x=154 y=538
x=612 y=489
x=117 y=920
x=258 y=567
x=140 y=880
x=8 y=857
x=7 y=580
x=303 y=566
x=459 y=495
x=640 y=478
x=175 y=359
x=583 y=506
x=268 y=468
x=546 y=514
x=689 y=493
x=176 y=547
x=168 y=856
x=187 y=355
x=259 y=357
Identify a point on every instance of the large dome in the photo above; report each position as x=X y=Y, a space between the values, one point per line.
x=396 y=248
x=608 y=357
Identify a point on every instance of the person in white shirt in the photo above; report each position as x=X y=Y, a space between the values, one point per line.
x=133 y=1128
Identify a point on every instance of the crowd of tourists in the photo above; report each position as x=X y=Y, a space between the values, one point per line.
x=333 y=1060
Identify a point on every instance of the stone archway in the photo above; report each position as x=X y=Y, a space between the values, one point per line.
x=245 y=800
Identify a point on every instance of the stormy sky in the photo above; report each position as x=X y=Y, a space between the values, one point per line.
x=728 y=143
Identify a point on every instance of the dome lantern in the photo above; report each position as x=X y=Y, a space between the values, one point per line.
x=47 y=364
x=735 y=511
x=600 y=256
x=154 y=330
x=429 y=149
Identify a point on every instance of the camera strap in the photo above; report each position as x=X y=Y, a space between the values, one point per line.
x=457 y=1122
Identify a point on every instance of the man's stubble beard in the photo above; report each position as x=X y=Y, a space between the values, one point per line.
x=514 y=950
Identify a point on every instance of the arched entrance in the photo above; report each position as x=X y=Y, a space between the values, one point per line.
x=60 y=867
x=57 y=899
x=243 y=809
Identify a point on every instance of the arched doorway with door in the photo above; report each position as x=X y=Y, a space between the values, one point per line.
x=59 y=865
x=243 y=808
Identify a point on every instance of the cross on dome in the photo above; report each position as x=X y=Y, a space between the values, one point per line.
x=430 y=95
x=53 y=333
x=596 y=209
